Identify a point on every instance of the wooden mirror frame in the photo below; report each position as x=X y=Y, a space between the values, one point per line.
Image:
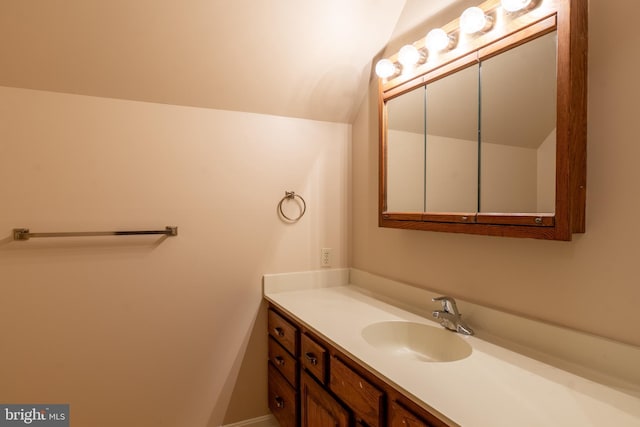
x=569 y=18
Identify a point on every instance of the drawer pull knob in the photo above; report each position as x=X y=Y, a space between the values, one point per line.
x=279 y=402
x=279 y=331
x=311 y=358
x=279 y=360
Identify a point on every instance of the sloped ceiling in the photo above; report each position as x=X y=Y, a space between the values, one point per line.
x=309 y=59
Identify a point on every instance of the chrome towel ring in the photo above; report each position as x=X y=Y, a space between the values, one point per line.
x=291 y=195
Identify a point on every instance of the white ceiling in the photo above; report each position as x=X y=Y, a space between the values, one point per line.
x=298 y=58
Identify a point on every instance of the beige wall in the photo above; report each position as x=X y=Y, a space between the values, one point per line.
x=590 y=283
x=139 y=331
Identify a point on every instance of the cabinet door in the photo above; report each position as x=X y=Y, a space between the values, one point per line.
x=319 y=408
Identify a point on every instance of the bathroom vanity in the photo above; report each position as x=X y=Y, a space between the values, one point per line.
x=333 y=360
x=331 y=387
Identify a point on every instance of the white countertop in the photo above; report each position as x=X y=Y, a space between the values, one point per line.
x=492 y=387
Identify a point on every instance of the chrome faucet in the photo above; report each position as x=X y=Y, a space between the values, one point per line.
x=449 y=317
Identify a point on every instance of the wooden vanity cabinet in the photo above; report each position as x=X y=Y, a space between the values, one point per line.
x=328 y=388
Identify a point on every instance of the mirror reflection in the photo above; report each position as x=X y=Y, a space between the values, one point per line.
x=452 y=143
x=482 y=139
x=518 y=128
x=406 y=152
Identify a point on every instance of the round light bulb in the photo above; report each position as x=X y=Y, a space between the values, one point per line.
x=515 y=5
x=408 y=55
x=437 y=40
x=473 y=20
x=385 y=68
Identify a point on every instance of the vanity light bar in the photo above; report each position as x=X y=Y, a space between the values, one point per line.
x=472 y=21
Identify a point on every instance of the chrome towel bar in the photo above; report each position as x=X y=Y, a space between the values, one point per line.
x=25 y=234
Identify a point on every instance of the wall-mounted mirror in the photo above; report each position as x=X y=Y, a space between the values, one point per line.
x=406 y=152
x=490 y=138
x=452 y=142
x=432 y=146
x=518 y=129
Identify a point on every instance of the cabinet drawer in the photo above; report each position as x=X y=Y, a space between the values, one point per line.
x=365 y=399
x=401 y=417
x=283 y=361
x=282 y=399
x=313 y=358
x=283 y=331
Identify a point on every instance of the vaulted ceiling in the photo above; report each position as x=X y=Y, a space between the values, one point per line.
x=297 y=58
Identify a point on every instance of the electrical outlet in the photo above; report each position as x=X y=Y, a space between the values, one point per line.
x=325 y=259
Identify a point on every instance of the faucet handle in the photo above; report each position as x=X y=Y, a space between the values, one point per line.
x=448 y=304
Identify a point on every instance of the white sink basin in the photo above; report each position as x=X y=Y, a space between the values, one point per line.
x=417 y=341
